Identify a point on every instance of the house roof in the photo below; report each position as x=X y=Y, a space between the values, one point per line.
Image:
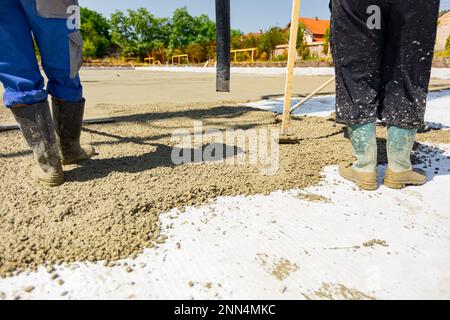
x=444 y=19
x=317 y=27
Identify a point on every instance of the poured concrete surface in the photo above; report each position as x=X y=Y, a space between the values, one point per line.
x=282 y=246
x=106 y=88
x=111 y=89
x=329 y=241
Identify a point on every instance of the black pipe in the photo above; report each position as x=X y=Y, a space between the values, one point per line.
x=223 y=44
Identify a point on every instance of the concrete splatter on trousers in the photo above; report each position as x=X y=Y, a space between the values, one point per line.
x=383 y=51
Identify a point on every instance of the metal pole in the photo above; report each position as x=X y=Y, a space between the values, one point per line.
x=223 y=40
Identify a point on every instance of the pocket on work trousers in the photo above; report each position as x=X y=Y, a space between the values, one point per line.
x=76 y=53
x=55 y=9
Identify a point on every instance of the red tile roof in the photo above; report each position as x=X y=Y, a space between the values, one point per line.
x=317 y=27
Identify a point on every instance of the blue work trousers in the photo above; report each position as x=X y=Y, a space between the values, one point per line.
x=52 y=26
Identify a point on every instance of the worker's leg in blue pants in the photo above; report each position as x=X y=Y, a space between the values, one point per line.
x=19 y=70
x=60 y=46
x=24 y=92
x=54 y=26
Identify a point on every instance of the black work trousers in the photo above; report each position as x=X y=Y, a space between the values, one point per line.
x=383 y=52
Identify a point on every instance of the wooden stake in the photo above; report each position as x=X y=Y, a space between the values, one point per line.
x=291 y=64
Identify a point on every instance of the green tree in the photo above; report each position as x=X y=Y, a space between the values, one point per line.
x=194 y=35
x=203 y=47
x=302 y=48
x=205 y=29
x=237 y=39
x=95 y=30
x=271 y=39
x=183 y=29
x=197 y=52
x=138 y=32
x=326 y=47
x=252 y=41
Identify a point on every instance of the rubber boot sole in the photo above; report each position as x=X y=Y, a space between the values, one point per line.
x=366 y=186
x=394 y=185
x=401 y=185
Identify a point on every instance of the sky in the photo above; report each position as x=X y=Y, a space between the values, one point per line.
x=246 y=15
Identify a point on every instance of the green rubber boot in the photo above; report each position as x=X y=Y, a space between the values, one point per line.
x=68 y=119
x=363 y=171
x=36 y=124
x=400 y=172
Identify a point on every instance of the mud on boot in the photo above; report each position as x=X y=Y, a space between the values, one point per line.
x=37 y=127
x=68 y=119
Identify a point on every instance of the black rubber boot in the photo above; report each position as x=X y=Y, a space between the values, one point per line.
x=37 y=127
x=68 y=119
